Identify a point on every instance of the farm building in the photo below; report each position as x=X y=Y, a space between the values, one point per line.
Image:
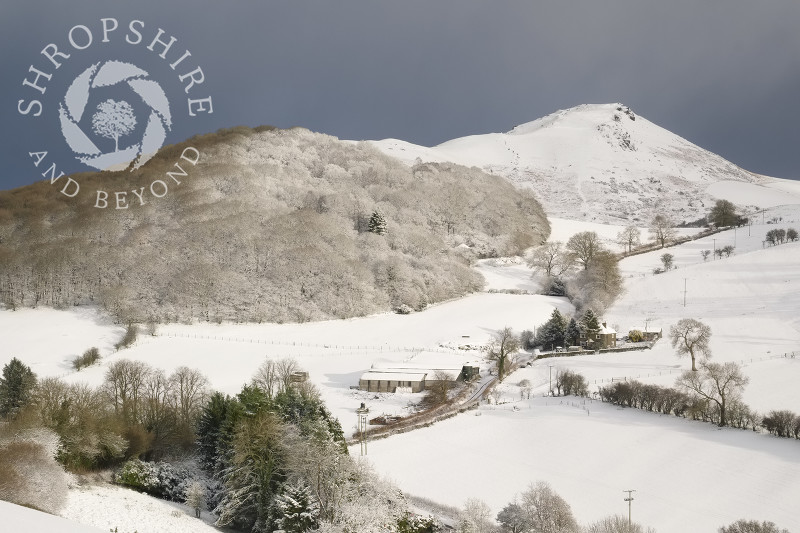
x=389 y=380
x=607 y=338
x=651 y=333
x=417 y=373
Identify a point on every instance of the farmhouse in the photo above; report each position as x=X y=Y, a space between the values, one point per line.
x=605 y=338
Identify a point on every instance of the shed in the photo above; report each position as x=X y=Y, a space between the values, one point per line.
x=650 y=332
x=389 y=381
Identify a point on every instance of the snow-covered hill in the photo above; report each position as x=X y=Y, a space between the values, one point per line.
x=600 y=163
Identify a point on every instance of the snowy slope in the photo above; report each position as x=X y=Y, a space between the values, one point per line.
x=15 y=518
x=599 y=163
x=688 y=476
x=751 y=301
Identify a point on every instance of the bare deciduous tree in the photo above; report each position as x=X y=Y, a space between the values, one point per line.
x=691 y=337
x=662 y=229
x=717 y=383
x=551 y=259
x=583 y=246
x=440 y=386
x=629 y=237
x=502 y=350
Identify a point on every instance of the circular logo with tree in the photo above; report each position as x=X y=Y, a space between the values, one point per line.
x=107 y=133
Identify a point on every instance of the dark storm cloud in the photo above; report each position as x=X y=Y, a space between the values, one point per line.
x=722 y=74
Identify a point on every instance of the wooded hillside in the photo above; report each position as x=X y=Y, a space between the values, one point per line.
x=270 y=225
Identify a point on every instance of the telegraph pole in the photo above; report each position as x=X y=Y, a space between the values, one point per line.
x=362 y=413
x=629 y=499
x=684 y=292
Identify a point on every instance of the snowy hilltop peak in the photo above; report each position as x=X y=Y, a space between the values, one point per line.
x=580 y=116
x=600 y=162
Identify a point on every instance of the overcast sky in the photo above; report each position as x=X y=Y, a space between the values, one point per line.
x=724 y=74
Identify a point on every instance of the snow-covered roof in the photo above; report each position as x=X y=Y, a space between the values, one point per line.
x=389 y=375
x=605 y=330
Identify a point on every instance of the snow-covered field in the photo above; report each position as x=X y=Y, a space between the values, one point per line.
x=688 y=476
x=684 y=472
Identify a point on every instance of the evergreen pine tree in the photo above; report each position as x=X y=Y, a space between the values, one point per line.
x=377 y=224
x=553 y=332
x=16 y=387
x=590 y=325
x=297 y=510
x=573 y=333
x=214 y=431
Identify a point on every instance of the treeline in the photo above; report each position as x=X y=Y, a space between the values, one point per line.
x=780 y=236
x=270 y=225
x=671 y=401
x=272 y=456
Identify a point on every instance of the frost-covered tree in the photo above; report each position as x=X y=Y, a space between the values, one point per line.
x=752 y=526
x=718 y=383
x=616 y=524
x=666 y=260
x=368 y=504
x=29 y=473
x=475 y=517
x=705 y=254
x=377 y=224
x=16 y=386
x=691 y=337
x=196 y=497
x=297 y=510
x=791 y=234
x=546 y=511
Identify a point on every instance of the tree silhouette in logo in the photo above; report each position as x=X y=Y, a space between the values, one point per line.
x=113 y=120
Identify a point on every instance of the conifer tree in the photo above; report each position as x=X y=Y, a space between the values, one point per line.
x=590 y=325
x=297 y=510
x=377 y=224
x=573 y=336
x=16 y=387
